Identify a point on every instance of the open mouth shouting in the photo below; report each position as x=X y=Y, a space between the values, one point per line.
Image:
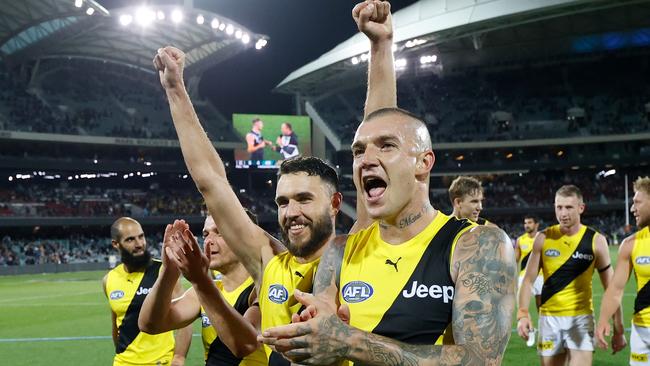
x=374 y=188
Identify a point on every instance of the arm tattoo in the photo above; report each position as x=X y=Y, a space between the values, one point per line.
x=329 y=269
x=481 y=315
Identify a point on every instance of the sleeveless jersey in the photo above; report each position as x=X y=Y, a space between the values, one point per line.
x=482 y=221
x=568 y=267
x=126 y=293
x=216 y=352
x=525 y=243
x=257 y=154
x=641 y=264
x=404 y=292
x=282 y=275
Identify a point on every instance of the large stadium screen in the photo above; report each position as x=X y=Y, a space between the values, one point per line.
x=270 y=139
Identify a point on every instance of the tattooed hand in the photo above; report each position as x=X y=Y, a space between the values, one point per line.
x=321 y=340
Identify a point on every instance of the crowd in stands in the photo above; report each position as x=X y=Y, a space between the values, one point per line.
x=556 y=100
x=112 y=100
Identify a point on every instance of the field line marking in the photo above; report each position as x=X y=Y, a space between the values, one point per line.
x=60 y=339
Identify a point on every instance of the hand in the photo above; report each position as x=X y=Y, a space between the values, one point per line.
x=524 y=327
x=268 y=142
x=168 y=265
x=187 y=255
x=603 y=330
x=278 y=141
x=374 y=20
x=320 y=340
x=178 y=361
x=618 y=341
x=169 y=62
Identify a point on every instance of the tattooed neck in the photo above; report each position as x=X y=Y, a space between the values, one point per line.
x=408 y=219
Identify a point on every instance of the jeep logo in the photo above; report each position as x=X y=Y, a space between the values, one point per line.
x=642 y=260
x=552 y=253
x=116 y=295
x=278 y=294
x=578 y=255
x=143 y=291
x=434 y=291
x=356 y=291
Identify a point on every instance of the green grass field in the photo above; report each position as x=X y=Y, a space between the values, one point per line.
x=64 y=319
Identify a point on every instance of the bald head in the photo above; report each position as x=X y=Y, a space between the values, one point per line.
x=116 y=227
x=409 y=123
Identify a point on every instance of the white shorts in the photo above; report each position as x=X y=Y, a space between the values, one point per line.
x=557 y=333
x=639 y=346
x=537 y=285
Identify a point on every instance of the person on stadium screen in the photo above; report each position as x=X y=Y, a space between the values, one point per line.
x=227 y=307
x=633 y=255
x=307 y=196
x=416 y=276
x=466 y=196
x=287 y=142
x=126 y=287
x=255 y=141
x=567 y=254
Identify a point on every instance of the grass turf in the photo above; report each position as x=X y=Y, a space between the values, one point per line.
x=37 y=313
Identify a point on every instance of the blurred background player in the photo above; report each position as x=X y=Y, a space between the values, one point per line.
x=255 y=141
x=287 y=142
x=634 y=255
x=466 y=196
x=227 y=307
x=523 y=247
x=126 y=287
x=567 y=253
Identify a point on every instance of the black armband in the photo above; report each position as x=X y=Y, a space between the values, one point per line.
x=601 y=270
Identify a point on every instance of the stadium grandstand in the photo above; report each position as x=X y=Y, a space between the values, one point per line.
x=526 y=96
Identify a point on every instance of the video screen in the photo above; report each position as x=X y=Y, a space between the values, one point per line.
x=270 y=139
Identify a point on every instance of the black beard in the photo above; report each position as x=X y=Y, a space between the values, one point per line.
x=321 y=230
x=135 y=261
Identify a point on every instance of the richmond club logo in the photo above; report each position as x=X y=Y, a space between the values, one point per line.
x=278 y=294
x=356 y=291
x=117 y=294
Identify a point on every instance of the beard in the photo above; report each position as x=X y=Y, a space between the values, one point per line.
x=321 y=229
x=135 y=261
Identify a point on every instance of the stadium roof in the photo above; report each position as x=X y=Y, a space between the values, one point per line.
x=455 y=30
x=38 y=29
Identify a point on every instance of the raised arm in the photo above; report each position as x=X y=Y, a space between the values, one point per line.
x=606 y=273
x=524 y=325
x=237 y=332
x=206 y=168
x=114 y=333
x=485 y=271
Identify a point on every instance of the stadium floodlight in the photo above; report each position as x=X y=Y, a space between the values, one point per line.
x=78 y=3
x=238 y=34
x=364 y=57
x=144 y=16
x=428 y=59
x=414 y=42
x=215 y=23
x=261 y=43
x=355 y=60
x=177 y=16
x=160 y=15
x=11 y=178
x=222 y=26
x=230 y=29
x=200 y=19
x=401 y=62
x=90 y=11
x=126 y=19
x=245 y=38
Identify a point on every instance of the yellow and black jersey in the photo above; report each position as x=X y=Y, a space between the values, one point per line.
x=568 y=267
x=282 y=275
x=641 y=264
x=126 y=292
x=216 y=352
x=481 y=221
x=525 y=244
x=404 y=292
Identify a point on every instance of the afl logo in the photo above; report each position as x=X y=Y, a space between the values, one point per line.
x=117 y=294
x=552 y=253
x=356 y=291
x=642 y=260
x=205 y=321
x=278 y=294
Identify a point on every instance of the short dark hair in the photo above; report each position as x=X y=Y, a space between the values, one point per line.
x=568 y=191
x=313 y=166
x=532 y=217
x=255 y=120
x=289 y=125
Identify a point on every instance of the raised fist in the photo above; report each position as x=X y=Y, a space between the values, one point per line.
x=374 y=20
x=169 y=62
